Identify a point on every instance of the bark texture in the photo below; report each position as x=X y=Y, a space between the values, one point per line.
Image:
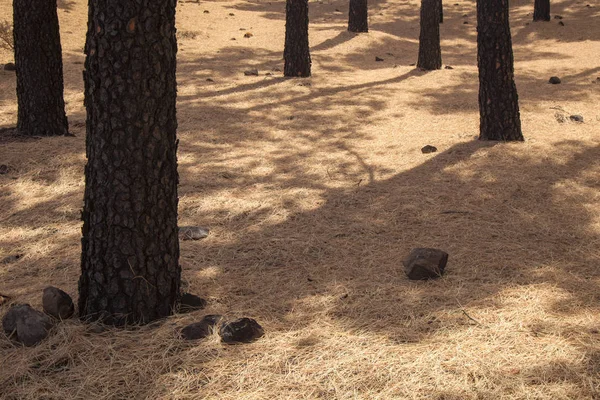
x=541 y=10
x=130 y=269
x=296 y=52
x=38 y=59
x=358 y=16
x=498 y=99
x=441 y=12
x=430 y=52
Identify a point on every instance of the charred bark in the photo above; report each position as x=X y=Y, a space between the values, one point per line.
x=130 y=269
x=541 y=10
x=498 y=99
x=430 y=53
x=296 y=52
x=358 y=16
x=441 y=12
x=38 y=60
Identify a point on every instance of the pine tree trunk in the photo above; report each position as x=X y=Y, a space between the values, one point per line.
x=130 y=269
x=38 y=58
x=296 y=52
x=358 y=16
x=498 y=100
x=441 y=12
x=430 y=53
x=541 y=10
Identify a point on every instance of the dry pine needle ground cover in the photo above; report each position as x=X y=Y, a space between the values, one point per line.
x=314 y=190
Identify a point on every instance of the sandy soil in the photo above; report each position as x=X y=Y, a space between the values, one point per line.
x=314 y=190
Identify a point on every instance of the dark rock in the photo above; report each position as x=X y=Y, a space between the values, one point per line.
x=248 y=35
x=561 y=23
x=251 y=72
x=425 y=263
x=57 y=303
x=555 y=80
x=428 y=149
x=10 y=67
x=448 y=67
x=243 y=330
x=4 y=169
x=190 y=302
x=576 y=118
x=558 y=17
x=233 y=38
x=206 y=12
x=231 y=14
x=26 y=325
x=193 y=232
x=200 y=329
x=378 y=59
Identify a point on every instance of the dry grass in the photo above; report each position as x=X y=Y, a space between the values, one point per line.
x=310 y=217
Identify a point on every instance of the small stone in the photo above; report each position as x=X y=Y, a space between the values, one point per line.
x=10 y=67
x=243 y=330
x=558 y=17
x=561 y=23
x=428 y=149
x=425 y=263
x=555 y=80
x=248 y=35
x=251 y=72
x=57 y=303
x=576 y=118
x=378 y=59
x=233 y=38
x=193 y=232
x=200 y=329
x=27 y=325
x=206 y=12
x=231 y=14
x=448 y=67
x=190 y=302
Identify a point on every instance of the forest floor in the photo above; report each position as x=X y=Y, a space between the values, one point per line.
x=314 y=190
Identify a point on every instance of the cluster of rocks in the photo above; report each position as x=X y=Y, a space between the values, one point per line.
x=241 y=330
x=28 y=326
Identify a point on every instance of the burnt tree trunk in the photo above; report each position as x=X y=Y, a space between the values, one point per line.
x=430 y=53
x=498 y=100
x=296 y=52
x=358 y=16
x=38 y=59
x=130 y=269
x=541 y=10
x=441 y=12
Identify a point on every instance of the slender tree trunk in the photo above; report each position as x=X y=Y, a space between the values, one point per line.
x=130 y=269
x=498 y=100
x=430 y=53
x=296 y=53
x=441 y=12
x=38 y=58
x=541 y=10
x=358 y=16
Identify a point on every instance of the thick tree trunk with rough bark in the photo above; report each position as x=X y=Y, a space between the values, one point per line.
x=430 y=53
x=358 y=16
x=498 y=100
x=541 y=10
x=38 y=58
x=130 y=269
x=296 y=53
